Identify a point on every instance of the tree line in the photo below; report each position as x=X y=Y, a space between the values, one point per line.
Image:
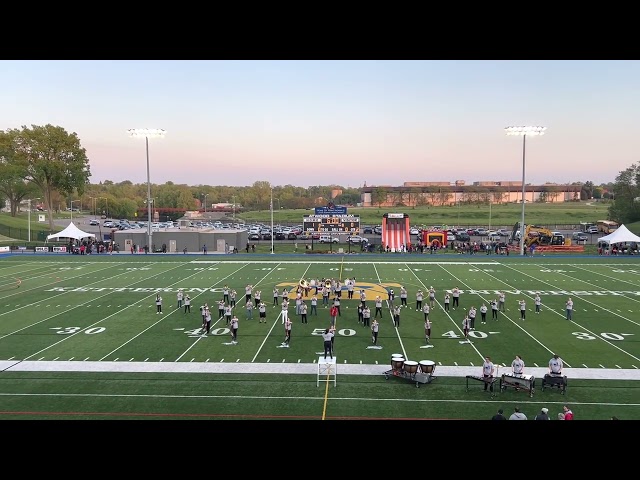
x=49 y=164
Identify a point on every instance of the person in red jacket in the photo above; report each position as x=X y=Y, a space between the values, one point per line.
x=568 y=414
x=334 y=314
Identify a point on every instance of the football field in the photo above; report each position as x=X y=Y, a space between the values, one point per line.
x=80 y=337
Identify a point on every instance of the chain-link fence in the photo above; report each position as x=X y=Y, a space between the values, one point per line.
x=23 y=233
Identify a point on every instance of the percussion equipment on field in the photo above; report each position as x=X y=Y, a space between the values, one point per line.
x=484 y=380
x=518 y=381
x=397 y=364
x=427 y=367
x=555 y=380
x=418 y=372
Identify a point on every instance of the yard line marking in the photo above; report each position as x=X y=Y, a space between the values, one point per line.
x=404 y=351
x=618 y=366
x=46 y=284
x=504 y=315
x=601 y=366
x=81 y=330
x=71 y=359
x=86 y=359
x=582 y=326
x=54 y=296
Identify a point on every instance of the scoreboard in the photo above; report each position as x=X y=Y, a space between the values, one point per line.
x=332 y=223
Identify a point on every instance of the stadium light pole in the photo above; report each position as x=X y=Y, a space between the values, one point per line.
x=524 y=132
x=147 y=133
x=205 y=202
x=271 y=207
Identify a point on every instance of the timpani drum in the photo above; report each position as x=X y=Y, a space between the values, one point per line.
x=394 y=356
x=427 y=367
x=397 y=363
x=411 y=367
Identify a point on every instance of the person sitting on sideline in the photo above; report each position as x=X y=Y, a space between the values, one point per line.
x=517 y=415
x=543 y=415
x=499 y=415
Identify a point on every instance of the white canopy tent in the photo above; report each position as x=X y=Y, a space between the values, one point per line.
x=70 y=232
x=621 y=235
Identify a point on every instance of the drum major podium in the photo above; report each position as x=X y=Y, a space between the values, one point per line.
x=327 y=368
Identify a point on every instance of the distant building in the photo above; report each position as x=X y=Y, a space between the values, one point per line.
x=445 y=193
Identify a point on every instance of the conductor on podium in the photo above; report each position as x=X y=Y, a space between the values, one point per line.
x=327 y=336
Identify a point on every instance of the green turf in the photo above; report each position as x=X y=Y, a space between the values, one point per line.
x=100 y=308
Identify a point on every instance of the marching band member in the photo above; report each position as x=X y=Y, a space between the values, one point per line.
x=225 y=293
x=378 y=307
x=257 y=297
x=537 y=302
x=487 y=372
x=517 y=366
x=287 y=332
x=483 y=313
x=327 y=336
x=455 y=293
x=425 y=310
x=466 y=326
x=262 y=309
x=285 y=310
x=396 y=316
x=276 y=292
x=232 y=298
x=555 y=365
x=523 y=309
x=247 y=292
x=234 y=329
x=419 y=297
x=403 y=297
x=427 y=327
x=375 y=327
x=432 y=296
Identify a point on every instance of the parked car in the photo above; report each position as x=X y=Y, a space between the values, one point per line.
x=592 y=230
x=280 y=236
x=503 y=232
x=368 y=230
x=579 y=237
x=463 y=237
x=357 y=240
x=291 y=236
x=482 y=231
x=254 y=236
x=94 y=222
x=494 y=237
x=328 y=239
x=108 y=224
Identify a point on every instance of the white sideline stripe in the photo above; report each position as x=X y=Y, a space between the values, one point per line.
x=290 y=368
x=333 y=260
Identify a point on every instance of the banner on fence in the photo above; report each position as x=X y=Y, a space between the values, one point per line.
x=4 y=249
x=60 y=249
x=42 y=249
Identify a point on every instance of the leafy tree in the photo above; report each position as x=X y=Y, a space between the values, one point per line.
x=12 y=184
x=626 y=189
x=52 y=159
x=379 y=196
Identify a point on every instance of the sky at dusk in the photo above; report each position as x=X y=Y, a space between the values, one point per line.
x=335 y=122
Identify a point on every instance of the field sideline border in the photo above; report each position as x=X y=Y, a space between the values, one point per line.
x=285 y=368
